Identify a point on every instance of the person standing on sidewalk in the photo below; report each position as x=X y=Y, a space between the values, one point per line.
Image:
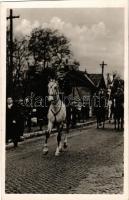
x=12 y=119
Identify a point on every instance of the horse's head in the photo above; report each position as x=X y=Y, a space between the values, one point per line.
x=53 y=90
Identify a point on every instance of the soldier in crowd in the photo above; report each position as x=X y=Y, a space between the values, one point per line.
x=12 y=122
x=100 y=108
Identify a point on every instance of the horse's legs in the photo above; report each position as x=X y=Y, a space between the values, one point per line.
x=104 y=117
x=115 y=123
x=97 y=123
x=103 y=124
x=67 y=126
x=119 y=123
x=65 y=135
x=60 y=133
x=59 y=145
x=45 y=148
x=110 y=116
x=122 y=122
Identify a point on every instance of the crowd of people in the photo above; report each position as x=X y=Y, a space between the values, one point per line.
x=19 y=117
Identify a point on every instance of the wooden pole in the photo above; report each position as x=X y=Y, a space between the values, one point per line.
x=10 y=70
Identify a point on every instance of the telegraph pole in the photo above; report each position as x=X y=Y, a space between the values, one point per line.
x=10 y=72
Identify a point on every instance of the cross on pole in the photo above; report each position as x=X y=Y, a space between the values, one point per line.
x=102 y=65
x=11 y=17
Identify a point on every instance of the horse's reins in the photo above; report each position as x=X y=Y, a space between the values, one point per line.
x=55 y=114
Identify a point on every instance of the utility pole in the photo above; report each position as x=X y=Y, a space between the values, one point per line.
x=10 y=72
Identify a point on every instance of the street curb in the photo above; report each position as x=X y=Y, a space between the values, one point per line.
x=41 y=133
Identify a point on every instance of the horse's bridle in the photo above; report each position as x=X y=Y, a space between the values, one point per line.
x=51 y=88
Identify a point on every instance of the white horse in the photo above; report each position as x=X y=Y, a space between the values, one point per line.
x=56 y=115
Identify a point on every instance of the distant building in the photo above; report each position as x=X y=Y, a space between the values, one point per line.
x=98 y=80
x=82 y=87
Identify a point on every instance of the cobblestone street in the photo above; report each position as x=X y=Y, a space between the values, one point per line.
x=92 y=163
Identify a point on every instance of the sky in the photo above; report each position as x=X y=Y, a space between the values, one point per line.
x=96 y=34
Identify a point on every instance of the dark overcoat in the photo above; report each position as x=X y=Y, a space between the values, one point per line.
x=12 y=122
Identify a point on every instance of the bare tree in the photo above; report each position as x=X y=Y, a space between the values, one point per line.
x=20 y=54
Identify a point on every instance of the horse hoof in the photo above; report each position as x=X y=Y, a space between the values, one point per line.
x=45 y=151
x=65 y=145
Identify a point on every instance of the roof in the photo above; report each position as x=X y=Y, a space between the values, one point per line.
x=79 y=78
x=80 y=93
x=98 y=80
